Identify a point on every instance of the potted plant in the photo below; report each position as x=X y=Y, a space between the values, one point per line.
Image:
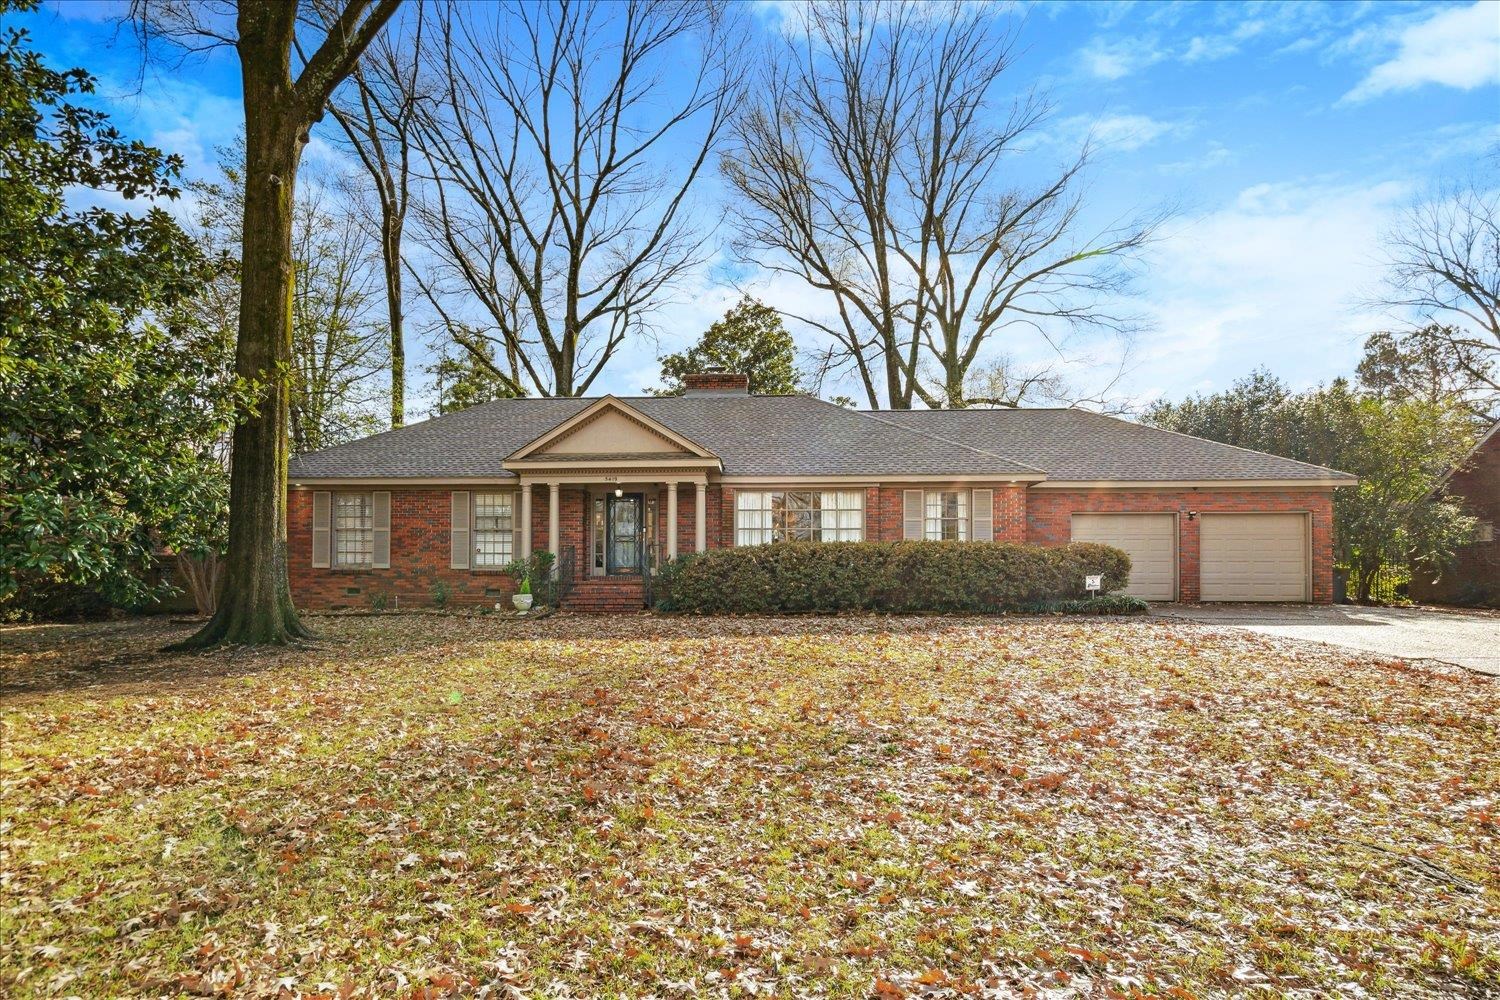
x=522 y=597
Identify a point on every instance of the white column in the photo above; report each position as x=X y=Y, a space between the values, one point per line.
x=700 y=519
x=672 y=519
x=553 y=493
x=525 y=521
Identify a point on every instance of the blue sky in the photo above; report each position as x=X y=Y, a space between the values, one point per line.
x=1289 y=135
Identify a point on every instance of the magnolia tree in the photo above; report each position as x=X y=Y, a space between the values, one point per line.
x=114 y=403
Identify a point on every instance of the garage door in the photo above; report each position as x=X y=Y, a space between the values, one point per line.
x=1253 y=557
x=1149 y=540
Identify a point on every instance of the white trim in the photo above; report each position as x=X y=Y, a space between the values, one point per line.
x=593 y=462
x=867 y=480
x=1195 y=484
x=393 y=482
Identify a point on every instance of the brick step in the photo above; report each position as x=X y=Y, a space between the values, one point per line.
x=607 y=595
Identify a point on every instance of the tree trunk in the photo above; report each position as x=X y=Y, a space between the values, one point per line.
x=256 y=606
x=202 y=574
x=390 y=248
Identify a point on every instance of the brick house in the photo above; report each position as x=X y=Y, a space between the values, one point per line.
x=614 y=484
x=1474 y=578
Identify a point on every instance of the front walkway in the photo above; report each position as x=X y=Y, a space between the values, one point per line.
x=1466 y=638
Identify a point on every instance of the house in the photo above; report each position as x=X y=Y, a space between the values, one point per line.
x=613 y=483
x=1475 y=577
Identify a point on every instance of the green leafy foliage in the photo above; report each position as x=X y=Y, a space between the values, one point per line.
x=908 y=577
x=111 y=405
x=466 y=378
x=1399 y=448
x=750 y=339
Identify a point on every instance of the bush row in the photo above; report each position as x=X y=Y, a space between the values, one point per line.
x=909 y=577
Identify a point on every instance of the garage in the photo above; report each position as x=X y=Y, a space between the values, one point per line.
x=1253 y=557
x=1149 y=539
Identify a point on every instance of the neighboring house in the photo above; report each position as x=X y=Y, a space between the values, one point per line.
x=1475 y=577
x=611 y=483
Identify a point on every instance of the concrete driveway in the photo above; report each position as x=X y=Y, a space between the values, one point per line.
x=1467 y=638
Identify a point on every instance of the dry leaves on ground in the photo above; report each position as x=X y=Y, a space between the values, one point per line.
x=865 y=807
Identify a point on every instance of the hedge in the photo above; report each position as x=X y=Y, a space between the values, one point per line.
x=910 y=577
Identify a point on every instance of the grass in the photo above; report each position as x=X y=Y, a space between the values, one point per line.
x=431 y=806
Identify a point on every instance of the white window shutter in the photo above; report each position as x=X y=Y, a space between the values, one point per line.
x=380 y=505
x=322 y=529
x=982 y=515
x=460 y=534
x=911 y=515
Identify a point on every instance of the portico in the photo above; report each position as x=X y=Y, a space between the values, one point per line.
x=623 y=474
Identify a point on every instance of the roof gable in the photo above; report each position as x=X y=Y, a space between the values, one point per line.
x=609 y=426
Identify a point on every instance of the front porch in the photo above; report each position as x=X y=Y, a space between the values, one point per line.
x=612 y=481
x=610 y=530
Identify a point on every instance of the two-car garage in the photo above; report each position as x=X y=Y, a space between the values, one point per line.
x=1241 y=556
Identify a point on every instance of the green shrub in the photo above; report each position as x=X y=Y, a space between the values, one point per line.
x=910 y=577
x=379 y=600
x=440 y=592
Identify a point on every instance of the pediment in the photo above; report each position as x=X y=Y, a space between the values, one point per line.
x=609 y=427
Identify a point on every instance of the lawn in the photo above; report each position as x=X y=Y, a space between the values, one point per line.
x=429 y=806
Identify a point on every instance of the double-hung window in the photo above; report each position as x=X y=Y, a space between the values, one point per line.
x=353 y=530
x=764 y=516
x=494 y=530
x=946 y=516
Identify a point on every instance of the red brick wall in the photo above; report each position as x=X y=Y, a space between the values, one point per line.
x=420 y=553
x=1049 y=521
x=716 y=382
x=1476 y=574
x=420 y=541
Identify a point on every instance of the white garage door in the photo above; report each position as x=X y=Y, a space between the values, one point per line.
x=1253 y=557
x=1150 y=541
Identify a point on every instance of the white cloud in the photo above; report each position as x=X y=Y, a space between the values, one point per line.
x=1457 y=47
x=1120 y=133
x=1273 y=278
x=1215 y=155
x=1113 y=59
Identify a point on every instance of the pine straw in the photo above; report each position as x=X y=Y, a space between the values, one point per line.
x=574 y=807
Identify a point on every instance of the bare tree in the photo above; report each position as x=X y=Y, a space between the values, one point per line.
x=1444 y=255
x=559 y=159
x=1003 y=382
x=338 y=342
x=873 y=167
x=377 y=118
x=279 y=110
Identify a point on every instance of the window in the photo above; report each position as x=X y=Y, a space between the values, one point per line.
x=353 y=530
x=799 y=516
x=946 y=518
x=1485 y=532
x=494 y=533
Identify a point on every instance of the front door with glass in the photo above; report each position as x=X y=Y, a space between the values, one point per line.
x=623 y=531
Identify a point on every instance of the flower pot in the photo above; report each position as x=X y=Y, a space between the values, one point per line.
x=521 y=601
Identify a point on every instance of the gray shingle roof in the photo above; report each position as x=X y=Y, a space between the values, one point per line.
x=1079 y=445
x=805 y=436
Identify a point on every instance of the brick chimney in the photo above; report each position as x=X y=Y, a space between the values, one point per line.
x=716 y=382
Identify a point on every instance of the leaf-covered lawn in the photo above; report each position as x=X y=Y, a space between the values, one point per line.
x=574 y=807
